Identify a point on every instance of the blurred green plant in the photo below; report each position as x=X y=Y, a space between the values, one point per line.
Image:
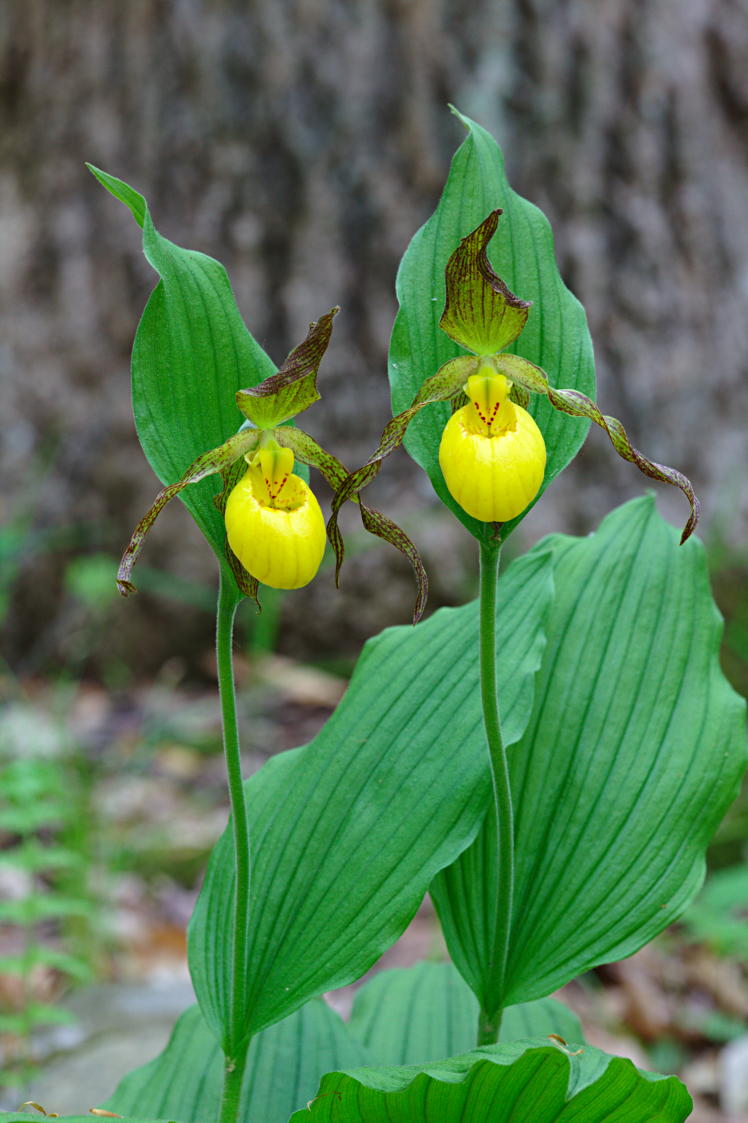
x=48 y=916
x=719 y=915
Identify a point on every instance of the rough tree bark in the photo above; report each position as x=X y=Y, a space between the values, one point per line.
x=302 y=142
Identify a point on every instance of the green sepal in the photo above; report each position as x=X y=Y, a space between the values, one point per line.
x=480 y=313
x=294 y=388
x=306 y=449
x=216 y=460
x=532 y=378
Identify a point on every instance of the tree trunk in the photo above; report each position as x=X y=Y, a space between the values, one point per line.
x=302 y=142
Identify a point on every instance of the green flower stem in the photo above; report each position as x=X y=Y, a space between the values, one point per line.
x=489 y=1023
x=233 y=1078
x=234 y=1068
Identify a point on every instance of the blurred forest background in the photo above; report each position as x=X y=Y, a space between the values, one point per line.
x=302 y=143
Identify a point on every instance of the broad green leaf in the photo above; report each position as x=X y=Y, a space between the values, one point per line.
x=555 y=337
x=192 y=352
x=634 y=751
x=347 y=833
x=524 y=1082
x=284 y=1067
x=414 y=1015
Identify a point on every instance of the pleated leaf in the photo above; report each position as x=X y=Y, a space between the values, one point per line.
x=347 y=833
x=634 y=751
x=525 y=1082
x=414 y=1015
x=555 y=337
x=192 y=352
x=284 y=1067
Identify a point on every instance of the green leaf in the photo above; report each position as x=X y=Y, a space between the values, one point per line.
x=284 y=1067
x=525 y=1082
x=347 y=833
x=555 y=337
x=634 y=751
x=413 y=1015
x=191 y=355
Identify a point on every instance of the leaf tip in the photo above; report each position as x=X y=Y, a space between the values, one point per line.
x=460 y=116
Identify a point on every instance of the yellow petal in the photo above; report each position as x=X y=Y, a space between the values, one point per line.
x=494 y=478
x=281 y=546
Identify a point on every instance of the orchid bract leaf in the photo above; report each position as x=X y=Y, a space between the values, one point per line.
x=191 y=355
x=521 y=253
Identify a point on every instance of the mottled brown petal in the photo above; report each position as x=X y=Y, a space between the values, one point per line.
x=377 y=523
x=216 y=460
x=532 y=378
x=576 y=404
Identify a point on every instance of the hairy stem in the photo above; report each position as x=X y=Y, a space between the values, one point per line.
x=233 y=1076
x=489 y=1024
x=234 y=1068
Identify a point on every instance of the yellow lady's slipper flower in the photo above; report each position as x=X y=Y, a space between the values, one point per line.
x=492 y=453
x=274 y=523
x=275 y=533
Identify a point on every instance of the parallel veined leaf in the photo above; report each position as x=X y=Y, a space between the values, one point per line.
x=347 y=833
x=423 y=1013
x=192 y=353
x=522 y=1082
x=396 y=1014
x=284 y=1066
x=555 y=336
x=634 y=751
